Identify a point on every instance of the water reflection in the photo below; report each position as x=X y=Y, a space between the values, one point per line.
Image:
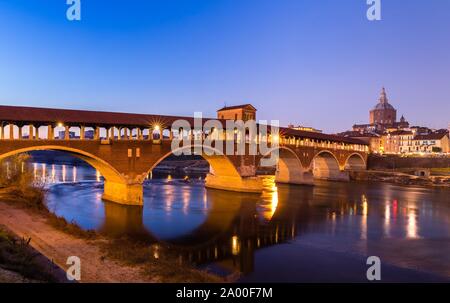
x=230 y=232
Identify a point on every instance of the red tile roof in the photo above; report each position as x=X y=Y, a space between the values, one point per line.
x=237 y=107
x=433 y=136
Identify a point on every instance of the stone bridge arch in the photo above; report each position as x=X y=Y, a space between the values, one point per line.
x=355 y=162
x=116 y=186
x=225 y=173
x=289 y=168
x=325 y=165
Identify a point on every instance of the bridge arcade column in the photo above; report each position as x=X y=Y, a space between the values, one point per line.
x=20 y=132
x=2 y=132
x=96 y=133
x=50 y=132
x=82 y=132
x=31 y=132
x=11 y=131
x=111 y=133
x=67 y=132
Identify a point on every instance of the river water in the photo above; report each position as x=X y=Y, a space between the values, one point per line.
x=321 y=233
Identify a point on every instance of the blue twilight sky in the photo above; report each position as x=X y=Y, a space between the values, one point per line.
x=319 y=63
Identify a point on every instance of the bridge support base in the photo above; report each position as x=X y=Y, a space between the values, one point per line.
x=122 y=193
x=237 y=184
x=333 y=176
x=298 y=177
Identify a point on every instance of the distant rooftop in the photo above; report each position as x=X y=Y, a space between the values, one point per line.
x=237 y=107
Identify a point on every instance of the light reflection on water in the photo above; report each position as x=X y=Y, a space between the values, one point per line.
x=281 y=232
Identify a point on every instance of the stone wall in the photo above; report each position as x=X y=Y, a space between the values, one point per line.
x=397 y=162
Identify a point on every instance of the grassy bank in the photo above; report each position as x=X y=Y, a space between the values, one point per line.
x=155 y=261
x=19 y=262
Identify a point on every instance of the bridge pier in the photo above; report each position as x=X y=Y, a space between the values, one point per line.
x=294 y=177
x=123 y=193
x=332 y=175
x=234 y=183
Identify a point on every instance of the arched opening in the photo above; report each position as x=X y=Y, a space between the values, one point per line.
x=289 y=168
x=105 y=169
x=325 y=166
x=355 y=162
x=222 y=174
x=116 y=186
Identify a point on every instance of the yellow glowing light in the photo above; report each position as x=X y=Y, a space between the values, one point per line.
x=156 y=251
x=169 y=177
x=74 y=174
x=235 y=245
x=97 y=175
x=412 y=225
x=60 y=124
x=53 y=173
x=157 y=127
x=64 y=173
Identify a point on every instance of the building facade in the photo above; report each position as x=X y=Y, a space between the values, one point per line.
x=243 y=112
x=431 y=143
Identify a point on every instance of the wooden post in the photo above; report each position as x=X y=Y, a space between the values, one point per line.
x=20 y=132
x=2 y=132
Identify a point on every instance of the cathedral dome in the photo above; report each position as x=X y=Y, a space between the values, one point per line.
x=383 y=102
x=383 y=106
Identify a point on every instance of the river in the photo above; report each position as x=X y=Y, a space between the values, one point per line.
x=321 y=233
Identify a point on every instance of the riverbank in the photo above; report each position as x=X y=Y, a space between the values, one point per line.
x=401 y=178
x=20 y=263
x=97 y=264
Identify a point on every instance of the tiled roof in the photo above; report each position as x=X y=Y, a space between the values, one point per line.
x=433 y=136
x=236 y=107
x=400 y=133
x=44 y=116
